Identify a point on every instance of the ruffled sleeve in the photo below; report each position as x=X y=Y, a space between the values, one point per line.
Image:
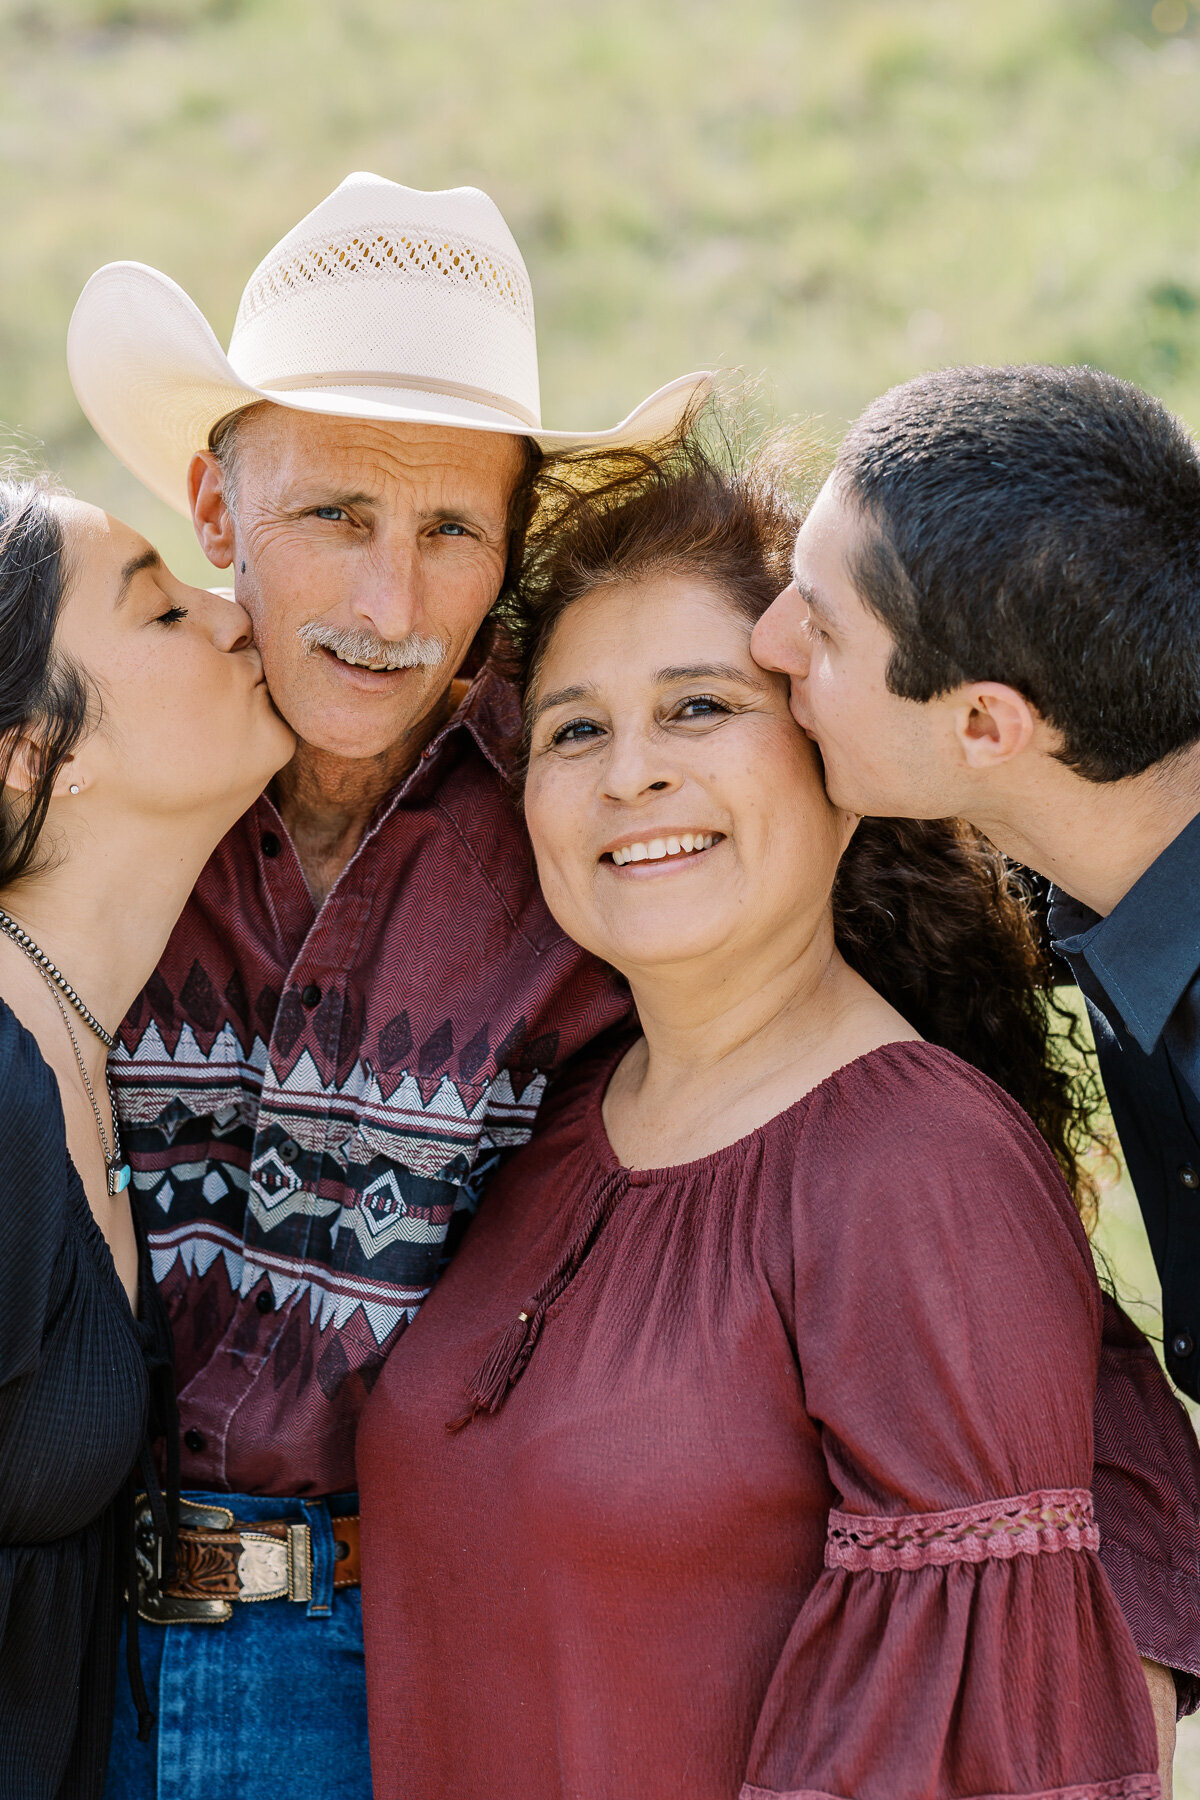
x=33 y=1186
x=1147 y=1488
x=963 y=1641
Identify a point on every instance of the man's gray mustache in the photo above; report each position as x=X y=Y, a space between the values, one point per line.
x=409 y=652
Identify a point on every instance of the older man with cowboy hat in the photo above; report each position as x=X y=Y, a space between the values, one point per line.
x=362 y=1003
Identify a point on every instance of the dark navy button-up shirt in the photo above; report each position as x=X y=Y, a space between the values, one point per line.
x=1139 y=970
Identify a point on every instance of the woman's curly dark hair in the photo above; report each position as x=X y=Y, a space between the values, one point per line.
x=935 y=918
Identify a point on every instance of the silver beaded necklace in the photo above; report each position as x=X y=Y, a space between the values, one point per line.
x=117 y=1171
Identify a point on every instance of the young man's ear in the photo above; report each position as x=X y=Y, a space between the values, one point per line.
x=210 y=514
x=993 y=723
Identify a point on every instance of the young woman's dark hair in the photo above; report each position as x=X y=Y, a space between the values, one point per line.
x=43 y=697
x=928 y=912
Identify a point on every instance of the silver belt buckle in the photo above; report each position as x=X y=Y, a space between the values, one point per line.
x=271 y=1568
x=152 y=1603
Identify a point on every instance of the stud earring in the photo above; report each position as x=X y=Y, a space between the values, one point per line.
x=74 y=788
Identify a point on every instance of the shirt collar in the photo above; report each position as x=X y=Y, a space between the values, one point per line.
x=489 y=713
x=1145 y=954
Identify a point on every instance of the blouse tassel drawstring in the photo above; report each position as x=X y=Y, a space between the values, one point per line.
x=508 y=1359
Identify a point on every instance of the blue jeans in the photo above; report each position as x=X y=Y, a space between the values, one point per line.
x=271 y=1705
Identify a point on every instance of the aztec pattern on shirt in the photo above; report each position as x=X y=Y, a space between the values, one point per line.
x=310 y=1100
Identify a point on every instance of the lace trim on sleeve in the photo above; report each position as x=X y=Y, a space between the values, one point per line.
x=1127 y=1787
x=1021 y=1525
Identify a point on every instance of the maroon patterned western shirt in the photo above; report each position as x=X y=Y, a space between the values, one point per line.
x=310 y=1099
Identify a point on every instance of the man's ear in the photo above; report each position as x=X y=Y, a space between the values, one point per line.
x=210 y=514
x=993 y=723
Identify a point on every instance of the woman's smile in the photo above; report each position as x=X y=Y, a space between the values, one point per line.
x=668 y=847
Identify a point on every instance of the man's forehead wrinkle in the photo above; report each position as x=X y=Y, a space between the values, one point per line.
x=362 y=477
x=290 y=460
x=326 y=438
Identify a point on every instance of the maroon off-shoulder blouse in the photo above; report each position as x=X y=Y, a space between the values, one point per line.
x=789 y=1497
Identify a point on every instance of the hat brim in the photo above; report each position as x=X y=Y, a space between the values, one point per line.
x=153 y=380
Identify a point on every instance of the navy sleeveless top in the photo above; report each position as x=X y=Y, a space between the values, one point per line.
x=80 y=1386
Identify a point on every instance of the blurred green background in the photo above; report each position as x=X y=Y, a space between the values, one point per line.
x=832 y=194
x=836 y=194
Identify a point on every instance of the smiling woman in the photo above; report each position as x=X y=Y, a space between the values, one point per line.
x=927 y=911
x=769 y=1362
x=661 y=744
x=134 y=728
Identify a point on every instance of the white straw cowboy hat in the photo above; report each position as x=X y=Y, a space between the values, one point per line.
x=384 y=303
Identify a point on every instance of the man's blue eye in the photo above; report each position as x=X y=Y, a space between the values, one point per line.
x=450 y=529
x=329 y=512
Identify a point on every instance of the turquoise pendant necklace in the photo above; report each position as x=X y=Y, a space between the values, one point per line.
x=116 y=1170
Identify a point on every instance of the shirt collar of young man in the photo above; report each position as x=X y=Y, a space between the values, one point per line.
x=1139 y=970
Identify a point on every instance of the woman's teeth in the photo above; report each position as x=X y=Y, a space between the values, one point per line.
x=657 y=848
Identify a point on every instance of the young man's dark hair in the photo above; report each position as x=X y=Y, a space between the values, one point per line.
x=1039 y=527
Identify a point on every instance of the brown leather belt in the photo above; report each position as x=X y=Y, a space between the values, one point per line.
x=219 y=1559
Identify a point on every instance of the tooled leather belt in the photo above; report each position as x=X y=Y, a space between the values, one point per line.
x=219 y=1559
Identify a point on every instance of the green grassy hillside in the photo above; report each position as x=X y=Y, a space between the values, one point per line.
x=836 y=194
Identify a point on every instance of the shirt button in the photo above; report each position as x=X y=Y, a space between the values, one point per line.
x=271 y=845
x=194 y=1439
x=1188 y=1176
x=310 y=996
x=289 y=1150
x=265 y=1301
x=1183 y=1343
